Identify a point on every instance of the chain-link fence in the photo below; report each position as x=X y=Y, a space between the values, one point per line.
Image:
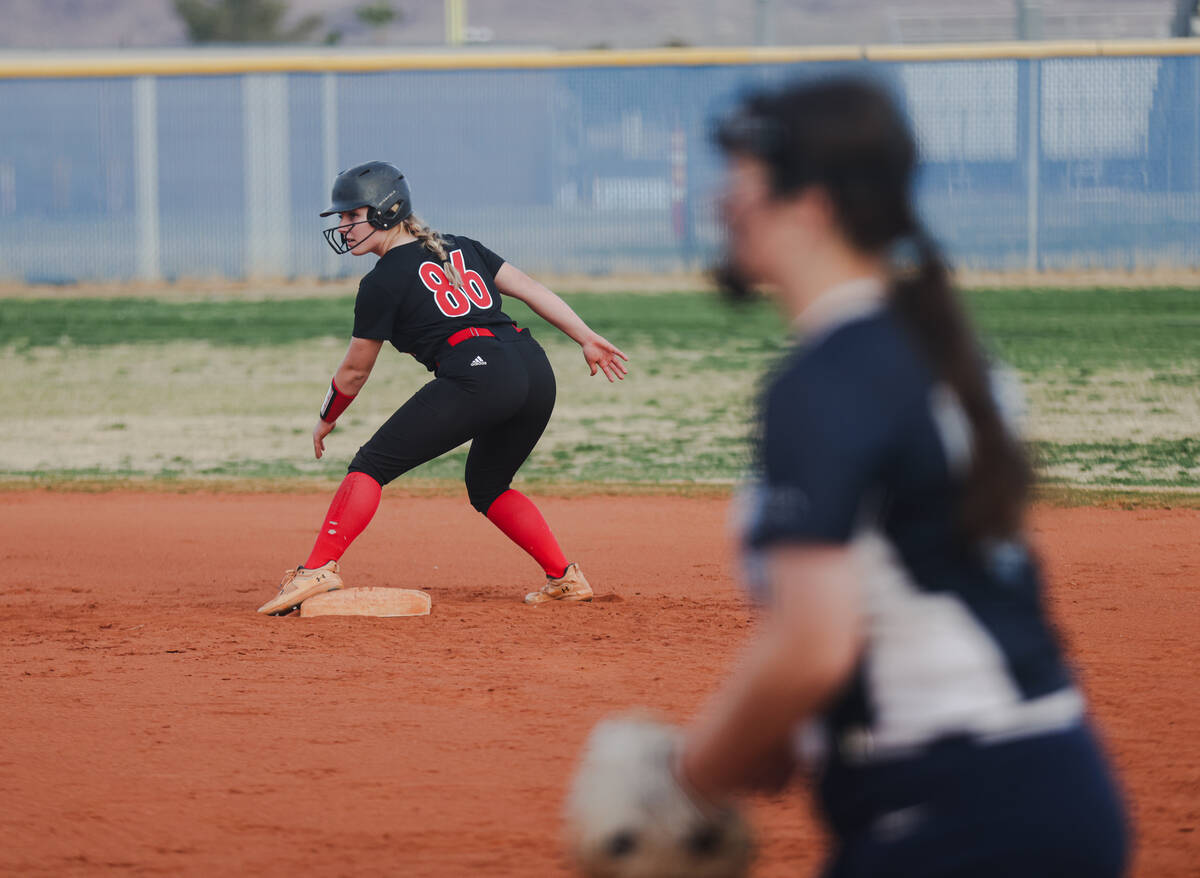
x=573 y=165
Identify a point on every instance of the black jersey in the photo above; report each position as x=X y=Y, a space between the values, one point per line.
x=862 y=446
x=407 y=298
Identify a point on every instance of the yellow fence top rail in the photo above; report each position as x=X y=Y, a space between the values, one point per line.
x=205 y=62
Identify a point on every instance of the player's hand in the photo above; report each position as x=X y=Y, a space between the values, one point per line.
x=320 y=431
x=602 y=354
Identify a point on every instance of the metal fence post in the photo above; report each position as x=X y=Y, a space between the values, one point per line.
x=329 y=152
x=145 y=164
x=1033 y=165
x=268 y=195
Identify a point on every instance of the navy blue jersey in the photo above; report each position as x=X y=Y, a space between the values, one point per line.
x=861 y=446
x=408 y=300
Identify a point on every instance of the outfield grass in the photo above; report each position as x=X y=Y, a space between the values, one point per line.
x=1033 y=329
x=174 y=391
x=1089 y=330
x=693 y=321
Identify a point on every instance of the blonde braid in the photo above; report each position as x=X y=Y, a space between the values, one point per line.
x=433 y=241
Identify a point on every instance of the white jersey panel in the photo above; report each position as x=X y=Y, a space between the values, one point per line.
x=933 y=670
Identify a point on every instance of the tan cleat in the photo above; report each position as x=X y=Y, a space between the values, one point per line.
x=299 y=585
x=571 y=586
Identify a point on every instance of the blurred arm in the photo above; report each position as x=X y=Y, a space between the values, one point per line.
x=805 y=652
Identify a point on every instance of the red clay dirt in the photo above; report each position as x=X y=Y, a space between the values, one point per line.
x=152 y=723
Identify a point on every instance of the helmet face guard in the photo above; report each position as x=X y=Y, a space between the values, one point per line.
x=336 y=237
x=377 y=186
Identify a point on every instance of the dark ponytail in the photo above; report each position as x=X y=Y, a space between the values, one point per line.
x=998 y=481
x=849 y=137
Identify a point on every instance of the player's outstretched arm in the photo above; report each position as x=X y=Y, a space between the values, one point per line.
x=598 y=351
x=348 y=380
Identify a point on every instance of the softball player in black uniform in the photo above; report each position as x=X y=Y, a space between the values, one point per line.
x=437 y=297
x=904 y=654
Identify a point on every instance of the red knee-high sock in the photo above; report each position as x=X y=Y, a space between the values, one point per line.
x=519 y=519
x=351 y=511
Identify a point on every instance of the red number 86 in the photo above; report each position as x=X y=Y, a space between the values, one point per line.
x=451 y=300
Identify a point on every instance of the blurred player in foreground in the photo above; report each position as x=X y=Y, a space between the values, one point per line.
x=903 y=655
x=437 y=297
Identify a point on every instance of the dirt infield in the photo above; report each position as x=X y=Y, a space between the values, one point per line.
x=151 y=723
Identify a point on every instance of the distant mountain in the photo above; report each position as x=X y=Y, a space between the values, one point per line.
x=617 y=24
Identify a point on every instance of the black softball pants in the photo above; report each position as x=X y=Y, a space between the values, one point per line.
x=496 y=392
x=1042 y=807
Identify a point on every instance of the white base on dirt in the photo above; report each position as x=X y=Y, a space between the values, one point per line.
x=368 y=601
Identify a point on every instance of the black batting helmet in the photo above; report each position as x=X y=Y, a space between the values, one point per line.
x=377 y=186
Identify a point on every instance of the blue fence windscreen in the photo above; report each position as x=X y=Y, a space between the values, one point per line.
x=1045 y=164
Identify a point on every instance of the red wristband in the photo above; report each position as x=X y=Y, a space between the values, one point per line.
x=335 y=403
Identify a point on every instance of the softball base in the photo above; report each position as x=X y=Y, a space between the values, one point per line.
x=368 y=601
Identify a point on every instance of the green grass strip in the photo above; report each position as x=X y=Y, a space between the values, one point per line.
x=690 y=319
x=26 y=323
x=1088 y=329
x=1032 y=329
